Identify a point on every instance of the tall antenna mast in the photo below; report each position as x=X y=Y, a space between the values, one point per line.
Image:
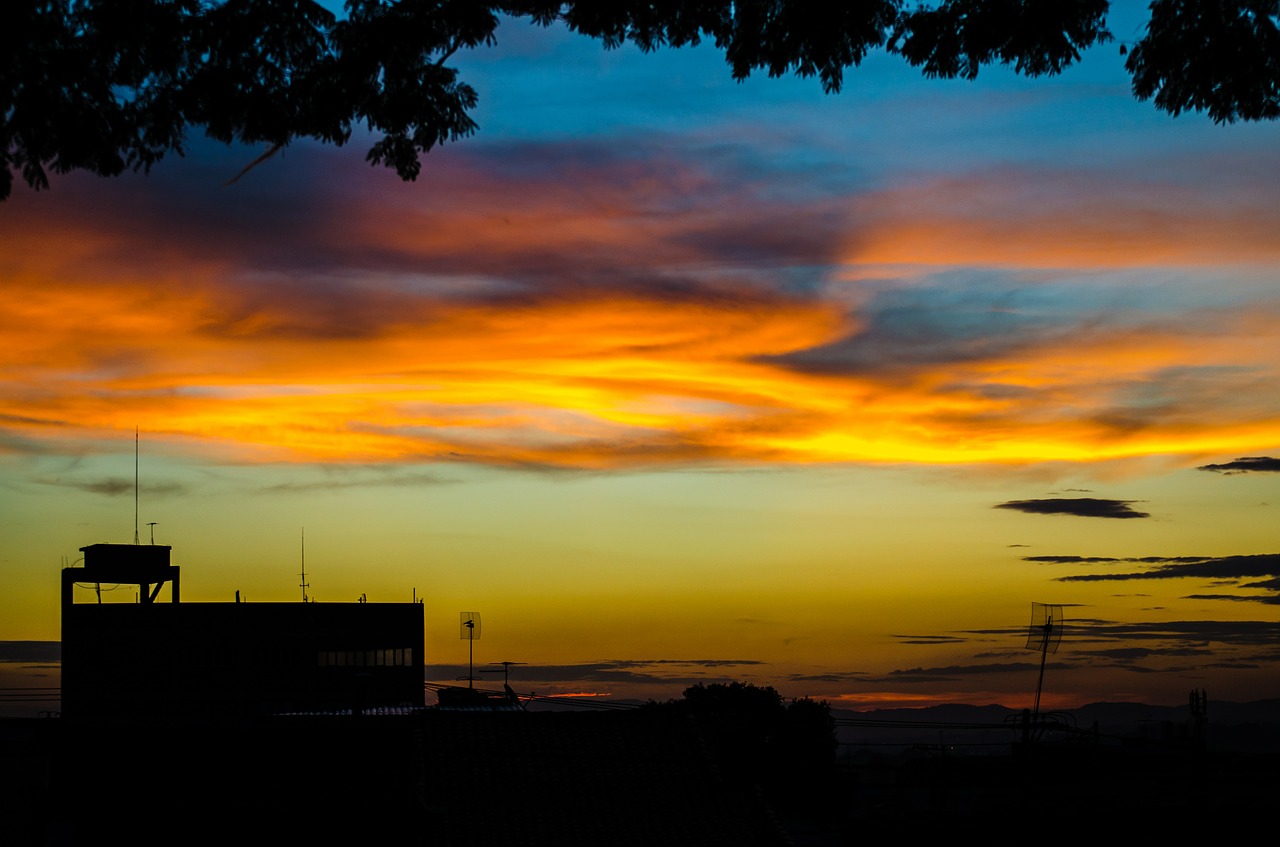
x=469 y=628
x=135 y=485
x=1044 y=634
x=304 y=585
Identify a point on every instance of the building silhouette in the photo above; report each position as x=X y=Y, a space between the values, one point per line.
x=304 y=722
x=221 y=660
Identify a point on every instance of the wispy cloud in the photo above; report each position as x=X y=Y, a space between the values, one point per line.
x=1087 y=507
x=1246 y=572
x=118 y=486
x=846 y=676
x=1086 y=630
x=1105 y=560
x=1272 y=600
x=373 y=478
x=1246 y=464
x=929 y=640
x=951 y=673
x=622 y=671
x=1164 y=647
x=1232 y=568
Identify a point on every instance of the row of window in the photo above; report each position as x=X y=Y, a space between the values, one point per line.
x=401 y=657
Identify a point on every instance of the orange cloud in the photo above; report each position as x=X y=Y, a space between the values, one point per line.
x=400 y=330
x=508 y=382
x=604 y=380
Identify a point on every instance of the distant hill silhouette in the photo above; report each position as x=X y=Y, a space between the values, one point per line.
x=1252 y=727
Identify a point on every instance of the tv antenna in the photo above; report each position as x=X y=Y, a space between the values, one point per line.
x=506 y=670
x=1044 y=634
x=469 y=629
x=512 y=696
x=304 y=585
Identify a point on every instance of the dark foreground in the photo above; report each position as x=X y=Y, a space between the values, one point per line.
x=611 y=778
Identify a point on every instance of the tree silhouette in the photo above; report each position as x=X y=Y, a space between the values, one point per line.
x=111 y=85
x=787 y=749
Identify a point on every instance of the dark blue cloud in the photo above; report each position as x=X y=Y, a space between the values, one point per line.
x=1218 y=568
x=1088 y=507
x=1246 y=464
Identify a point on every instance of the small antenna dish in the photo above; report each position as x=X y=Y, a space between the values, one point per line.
x=469 y=629
x=1044 y=634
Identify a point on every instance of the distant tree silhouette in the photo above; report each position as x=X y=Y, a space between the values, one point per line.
x=787 y=749
x=111 y=85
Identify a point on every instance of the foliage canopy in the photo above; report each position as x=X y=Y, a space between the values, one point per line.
x=110 y=85
x=785 y=748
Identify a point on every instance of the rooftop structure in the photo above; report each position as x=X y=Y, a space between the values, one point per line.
x=226 y=659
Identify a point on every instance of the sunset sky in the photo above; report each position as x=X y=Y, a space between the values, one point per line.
x=676 y=379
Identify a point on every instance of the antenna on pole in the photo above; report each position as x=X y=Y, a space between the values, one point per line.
x=512 y=696
x=469 y=629
x=135 y=485
x=506 y=670
x=304 y=585
x=1044 y=634
x=152 y=524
